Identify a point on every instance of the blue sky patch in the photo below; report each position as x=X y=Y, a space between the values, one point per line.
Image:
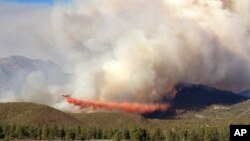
x=37 y=2
x=47 y=2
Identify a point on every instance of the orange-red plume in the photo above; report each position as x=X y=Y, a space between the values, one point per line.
x=126 y=106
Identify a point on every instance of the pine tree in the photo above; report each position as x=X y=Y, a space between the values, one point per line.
x=125 y=134
x=99 y=133
x=117 y=136
x=173 y=136
x=211 y=134
x=62 y=133
x=224 y=134
x=33 y=132
x=158 y=135
x=134 y=134
x=78 y=132
x=83 y=135
x=54 y=133
x=25 y=131
x=70 y=134
x=105 y=134
x=45 y=132
x=13 y=132
x=192 y=135
x=19 y=133
x=111 y=133
x=1 y=133
x=139 y=134
x=6 y=131
x=40 y=133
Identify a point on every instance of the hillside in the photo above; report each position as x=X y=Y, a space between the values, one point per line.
x=191 y=97
x=30 y=113
x=36 y=114
x=27 y=121
x=110 y=119
x=238 y=114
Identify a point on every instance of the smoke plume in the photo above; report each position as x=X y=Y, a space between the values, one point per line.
x=136 y=50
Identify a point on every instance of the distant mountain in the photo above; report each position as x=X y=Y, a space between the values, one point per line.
x=190 y=97
x=15 y=69
x=245 y=93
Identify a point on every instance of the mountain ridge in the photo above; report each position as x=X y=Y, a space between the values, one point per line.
x=18 y=75
x=195 y=97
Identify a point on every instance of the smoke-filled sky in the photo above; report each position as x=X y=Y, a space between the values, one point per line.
x=48 y=2
x=133 y=50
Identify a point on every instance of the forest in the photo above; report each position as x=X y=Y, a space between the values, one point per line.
x=45 y=132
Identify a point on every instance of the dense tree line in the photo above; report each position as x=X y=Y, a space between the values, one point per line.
x=17 y=132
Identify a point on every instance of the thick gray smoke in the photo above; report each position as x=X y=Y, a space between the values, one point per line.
x=135 y=50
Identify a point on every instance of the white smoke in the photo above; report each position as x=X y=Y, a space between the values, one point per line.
x=26 y=31
x=135 y=50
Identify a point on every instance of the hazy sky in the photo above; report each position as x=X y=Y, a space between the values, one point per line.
x=49 y=2
x=25 y=27
x=133 y=50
